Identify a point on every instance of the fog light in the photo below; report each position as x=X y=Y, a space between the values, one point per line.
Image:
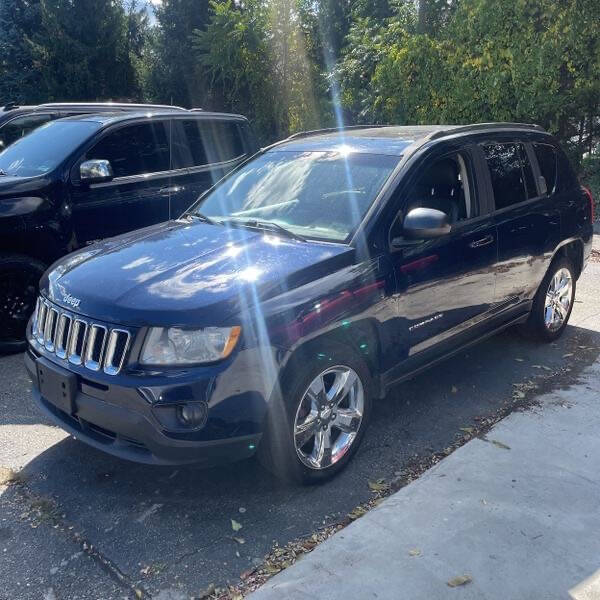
x=193 y=415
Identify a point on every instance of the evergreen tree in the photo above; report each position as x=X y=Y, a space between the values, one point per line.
x=20 y=21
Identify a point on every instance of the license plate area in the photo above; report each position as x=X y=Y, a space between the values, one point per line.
x=58 y=386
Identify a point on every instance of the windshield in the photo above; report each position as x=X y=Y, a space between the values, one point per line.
x=45 y=148
x=313 y=194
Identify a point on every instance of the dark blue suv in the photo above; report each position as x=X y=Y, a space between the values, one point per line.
x=297 y=290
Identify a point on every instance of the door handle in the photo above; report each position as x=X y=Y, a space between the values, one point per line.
x=171 y=190
x=484 y=241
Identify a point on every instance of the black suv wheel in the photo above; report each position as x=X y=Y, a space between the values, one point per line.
x=19 y=279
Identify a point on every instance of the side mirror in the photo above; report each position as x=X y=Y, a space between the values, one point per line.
x=425 y=223
x=95 y=171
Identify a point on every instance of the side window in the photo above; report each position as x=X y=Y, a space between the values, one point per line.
x=224 y=140
x=511 y=173
x=135 y=149
x=188 y=144
x=546 y=157
x=447 y=185
x=17 y=128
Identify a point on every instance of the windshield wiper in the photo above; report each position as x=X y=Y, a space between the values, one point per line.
x=266 y=225
x=201 y=217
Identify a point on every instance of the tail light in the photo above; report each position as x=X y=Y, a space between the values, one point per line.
x=588 y=193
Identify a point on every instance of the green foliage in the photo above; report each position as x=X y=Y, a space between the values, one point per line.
x=294 y=64
x=172 y=74
x=19 y=70
x=62 y=49
x=478 y=60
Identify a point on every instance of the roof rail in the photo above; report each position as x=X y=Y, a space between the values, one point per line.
x=10 y=106
x=477 y=126
x=300 y=134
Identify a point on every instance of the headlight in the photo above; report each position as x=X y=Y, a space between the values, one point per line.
x=175 y=346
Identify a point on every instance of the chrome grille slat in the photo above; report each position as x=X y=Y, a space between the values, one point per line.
x=94 y=347
x=79 y=341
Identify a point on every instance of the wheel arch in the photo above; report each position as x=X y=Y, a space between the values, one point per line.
x=573 y=249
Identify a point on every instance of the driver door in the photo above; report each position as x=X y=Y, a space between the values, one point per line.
x=445 y=285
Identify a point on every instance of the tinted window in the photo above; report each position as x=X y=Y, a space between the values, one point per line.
x=566 y=178
x=202 y=141
x=224 y=141
x=511 y=174
x=546 y=157
x=46 y=147
x=527 y=173
x=315 y=194
x=20 y=127
x=134 y=149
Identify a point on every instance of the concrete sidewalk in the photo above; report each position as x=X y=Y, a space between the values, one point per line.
x=518 y=513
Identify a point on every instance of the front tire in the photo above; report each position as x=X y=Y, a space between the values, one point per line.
x=320 y=416
x=19 y=279
x=553 y=302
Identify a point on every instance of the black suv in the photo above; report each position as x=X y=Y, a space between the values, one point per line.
x=17 y=121
x=76 y=180
x=301 y=287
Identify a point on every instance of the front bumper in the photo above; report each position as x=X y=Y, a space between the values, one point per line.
x=123 y=422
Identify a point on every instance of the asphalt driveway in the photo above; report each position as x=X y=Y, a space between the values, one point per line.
x=86 y=525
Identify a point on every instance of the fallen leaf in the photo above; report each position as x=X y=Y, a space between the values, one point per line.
x=235 y=525
x=359 y=511
x=8 y=476
x=568 y=354
x=379 y=486
x=520 y=359
x=414 y=552
x=500 y=444
x=236 y=596
x=138 y=593
x=459 y=580
x=518 y=394
x=467 y=429
x=271 y=568
x=239 y=540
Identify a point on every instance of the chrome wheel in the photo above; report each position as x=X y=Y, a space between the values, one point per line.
x=329 y=417
x=558 y=299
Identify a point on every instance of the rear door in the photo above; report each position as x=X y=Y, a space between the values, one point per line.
x=528 y=224
x=138 y=196
x=204 y=150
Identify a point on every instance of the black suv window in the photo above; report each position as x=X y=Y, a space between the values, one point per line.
x=135 y=149
x=20 y=127
x=200 y=142
x=546 y=157
x=447 y=185
x=224 y=141
x=511 y=173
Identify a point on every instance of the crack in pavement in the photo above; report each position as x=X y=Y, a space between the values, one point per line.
x=41 y=510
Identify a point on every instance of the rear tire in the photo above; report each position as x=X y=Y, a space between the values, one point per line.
x=19 y=281
x=317 y=421
x=553 y=302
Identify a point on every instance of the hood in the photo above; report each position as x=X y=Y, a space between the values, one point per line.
x=182 y=273
x=10 y=184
